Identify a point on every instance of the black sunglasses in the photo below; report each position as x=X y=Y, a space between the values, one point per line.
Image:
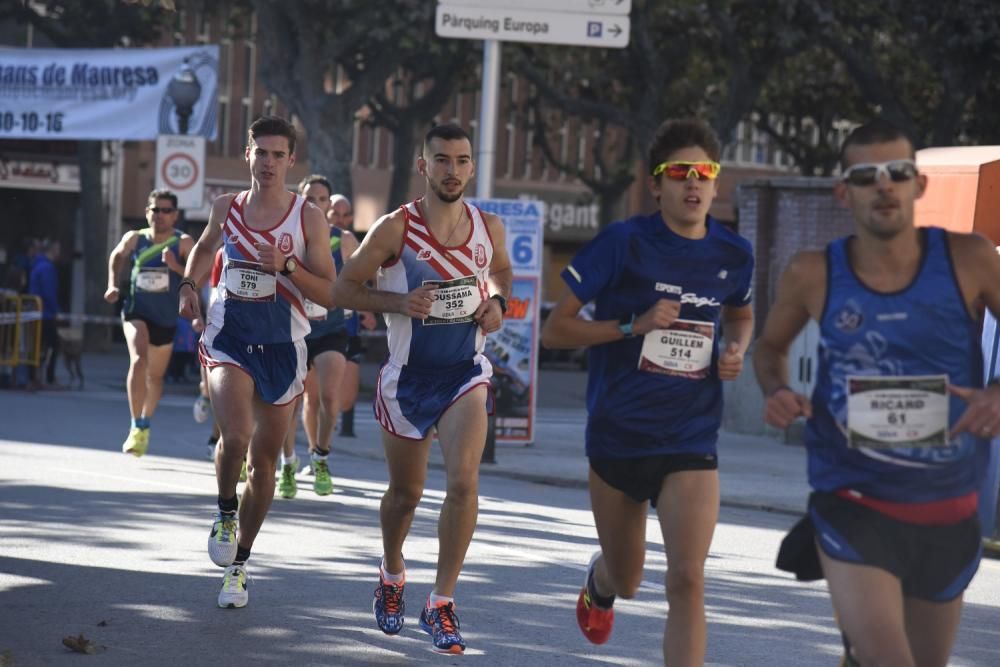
x=153 y=209
x=898 y=171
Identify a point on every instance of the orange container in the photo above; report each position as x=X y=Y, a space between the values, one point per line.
x=963 y=189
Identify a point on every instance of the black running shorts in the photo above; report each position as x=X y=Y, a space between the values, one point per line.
x=641 y=478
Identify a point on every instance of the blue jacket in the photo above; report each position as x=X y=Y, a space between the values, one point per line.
x=44 y=283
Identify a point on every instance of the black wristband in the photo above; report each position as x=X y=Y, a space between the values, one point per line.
x=187 y=281
x=502 y=300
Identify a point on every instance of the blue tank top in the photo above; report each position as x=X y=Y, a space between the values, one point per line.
x=923 y=329
x=152 y=289
x=335 y=319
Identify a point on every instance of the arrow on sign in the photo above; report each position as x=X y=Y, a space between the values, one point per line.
x=615 y=31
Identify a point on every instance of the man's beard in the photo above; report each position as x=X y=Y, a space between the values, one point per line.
x=445 y=196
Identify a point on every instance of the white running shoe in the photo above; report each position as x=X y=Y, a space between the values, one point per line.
x=222 y=540
x=202 y=409
x=234 y=588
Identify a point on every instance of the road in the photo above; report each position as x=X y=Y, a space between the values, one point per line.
x=97 y=543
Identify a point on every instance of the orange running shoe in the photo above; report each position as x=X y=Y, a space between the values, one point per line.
x=595 y=623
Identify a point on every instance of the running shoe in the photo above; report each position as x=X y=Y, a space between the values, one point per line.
x=441 y=623
x=287 y=487
x=234 y=588
x=388 y=606
x=595 y=623
x=322 y=484
x=202 y=409
x=243 y=471
x=210 y=449
x=137 y=442
x=222 y=539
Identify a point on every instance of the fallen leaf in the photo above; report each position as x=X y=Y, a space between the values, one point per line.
x=80 y=644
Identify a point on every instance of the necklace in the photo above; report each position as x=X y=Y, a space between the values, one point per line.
x=461 y=217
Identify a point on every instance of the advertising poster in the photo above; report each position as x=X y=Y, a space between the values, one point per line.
x=513 y=350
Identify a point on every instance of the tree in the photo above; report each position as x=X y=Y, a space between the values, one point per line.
x=706 y=58
x=431 y=71
x=920 y=64
x=93 y=24
x=326 y=59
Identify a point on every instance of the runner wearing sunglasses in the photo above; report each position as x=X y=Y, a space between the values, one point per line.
x=149 y=312
x=665 y=285
x=898 y=423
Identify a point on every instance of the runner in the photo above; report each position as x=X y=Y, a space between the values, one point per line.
x=149 y=313
x=326 y=346
x=276 y=255
x=663 y=285
x=898 y=420
x=443 y=279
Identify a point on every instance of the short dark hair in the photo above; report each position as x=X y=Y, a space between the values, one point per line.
x=272 y=126
x=448 y=132
x=878 y=131
x=315 y=178
x=675 y=134
x=163 y=194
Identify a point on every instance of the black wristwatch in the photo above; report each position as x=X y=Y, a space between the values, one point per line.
x=290 y=266
x=502 y=301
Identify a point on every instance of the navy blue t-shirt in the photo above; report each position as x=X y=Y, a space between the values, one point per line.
x=626 y=269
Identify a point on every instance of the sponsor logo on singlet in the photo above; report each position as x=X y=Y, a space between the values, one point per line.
x=285 y=243
x=480 y=255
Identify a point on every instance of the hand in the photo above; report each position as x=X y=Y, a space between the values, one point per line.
x=982 y=416
x=271 y=259
x=663 y=313
x=489 y=316
x=198 y=325
x=367 y=320
x=730 y=362
x=111 y=295
x=417 y=304
x=170 y=261
x=188 y=307
x=784 y=406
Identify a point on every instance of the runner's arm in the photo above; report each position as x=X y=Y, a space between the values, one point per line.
x=801 y=293
x=316 y=279
x=737 y=325
x=380 y=245
x=117 y=258
x=501 y=274
x=199 y=260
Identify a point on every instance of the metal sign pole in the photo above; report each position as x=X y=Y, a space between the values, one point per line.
x=488 y=119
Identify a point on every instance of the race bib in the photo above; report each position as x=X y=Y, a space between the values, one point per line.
x=246 y=281
x=455 y=301
x=685 y=349
x=314 y=311
x=155 y=279
x=897 y=411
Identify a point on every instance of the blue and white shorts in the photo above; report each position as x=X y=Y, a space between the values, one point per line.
x=409 y=401
x=278 y=370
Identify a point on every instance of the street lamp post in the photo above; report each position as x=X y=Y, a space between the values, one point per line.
x=184 y=89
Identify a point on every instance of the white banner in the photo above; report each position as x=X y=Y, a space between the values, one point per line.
x=108 y=93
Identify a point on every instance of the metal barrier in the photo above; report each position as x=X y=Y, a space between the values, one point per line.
x=20 y=330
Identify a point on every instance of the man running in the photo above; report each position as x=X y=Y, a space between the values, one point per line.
x=443 y=279
x=277 y=254
x=663 y=285
x=149 y=313
x=898 y=422
x=326 y=347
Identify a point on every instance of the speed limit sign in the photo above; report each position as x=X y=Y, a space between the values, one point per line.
x=180 y=168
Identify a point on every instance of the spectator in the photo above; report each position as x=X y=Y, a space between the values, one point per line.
x=43 y=283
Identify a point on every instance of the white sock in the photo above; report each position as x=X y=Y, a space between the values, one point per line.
x=436 y=600
x=389 y=577
x=293 y=459
x=317 y=457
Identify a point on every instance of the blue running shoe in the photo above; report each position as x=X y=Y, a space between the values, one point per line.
x=388 y=606
x=441 y=623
